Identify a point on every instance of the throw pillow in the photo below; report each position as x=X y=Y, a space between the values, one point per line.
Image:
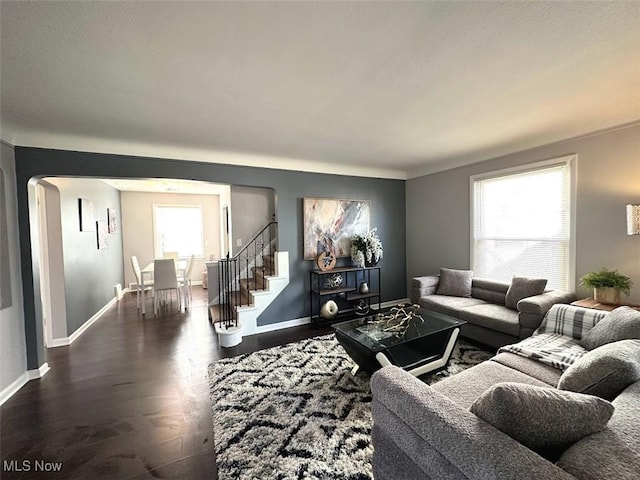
x=604 y=371
x=456 y=283
x=544 y=419
x=522 y=288
x=623 y=323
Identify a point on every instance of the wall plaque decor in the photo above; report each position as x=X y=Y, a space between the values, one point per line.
x=329 y=224
x=87 y=222
x=112 y=220
x=102 y=234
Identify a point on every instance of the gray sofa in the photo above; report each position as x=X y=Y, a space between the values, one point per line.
x=429 y=432
x=489 y=321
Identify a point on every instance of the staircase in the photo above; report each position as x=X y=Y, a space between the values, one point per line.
x=248 y=283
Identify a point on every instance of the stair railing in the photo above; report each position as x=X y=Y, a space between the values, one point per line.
x=239 y=274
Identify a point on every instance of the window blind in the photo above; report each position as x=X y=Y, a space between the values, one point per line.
x=521 y=226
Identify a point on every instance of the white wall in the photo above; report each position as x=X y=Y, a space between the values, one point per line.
x=13 y=359
x=137 y=227
x=52 y=259
x=608 y=178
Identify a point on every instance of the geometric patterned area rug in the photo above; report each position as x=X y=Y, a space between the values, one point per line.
x=296 y=411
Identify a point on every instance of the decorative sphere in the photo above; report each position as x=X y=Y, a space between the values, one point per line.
x=334 y=280
x=329 y=310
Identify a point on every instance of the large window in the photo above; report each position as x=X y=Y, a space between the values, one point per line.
x=521 y=224
x=178 y=228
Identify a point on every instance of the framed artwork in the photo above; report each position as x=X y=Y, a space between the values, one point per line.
x=111 y=219
x=87 y=222
x=329 y=224
x=102 y=230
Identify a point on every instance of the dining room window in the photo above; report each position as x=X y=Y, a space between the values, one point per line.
x=522 y=223
x=178 y=228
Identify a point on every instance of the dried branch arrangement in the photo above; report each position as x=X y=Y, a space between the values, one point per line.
x=398 y=319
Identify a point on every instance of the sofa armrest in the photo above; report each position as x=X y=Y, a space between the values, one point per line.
x=531 y=310
x=425 y=424
x=421 y=286
x=540 y=304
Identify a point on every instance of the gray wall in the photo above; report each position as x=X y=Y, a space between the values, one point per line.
x=13 y=360
x=386 y=197
x=608 y=178
x=89 y=274
x=251 y=209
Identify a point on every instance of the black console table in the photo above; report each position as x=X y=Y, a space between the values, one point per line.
x=347 y=293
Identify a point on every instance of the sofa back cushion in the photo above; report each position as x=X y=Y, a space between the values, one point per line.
x=613 y=452
x=569 y=320
x=489 y=291
x=604 y=371
x=621 y=324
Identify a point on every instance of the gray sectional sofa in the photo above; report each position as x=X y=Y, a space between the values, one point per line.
x=489 y=320
x=440 y=432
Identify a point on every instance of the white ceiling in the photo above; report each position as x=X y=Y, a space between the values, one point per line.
x=153 y=185
x=390 y=89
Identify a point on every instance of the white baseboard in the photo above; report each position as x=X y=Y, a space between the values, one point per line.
x=65 y=341
x=393 y=303
x=22 y=380
x=13 y=387
x=306 y=320
x=281 y=325
x=38 y=372
x=59 y=342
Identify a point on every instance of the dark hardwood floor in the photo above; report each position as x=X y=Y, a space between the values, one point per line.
x=129 y=399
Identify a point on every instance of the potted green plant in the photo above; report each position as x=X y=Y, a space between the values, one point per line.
x=607 y=285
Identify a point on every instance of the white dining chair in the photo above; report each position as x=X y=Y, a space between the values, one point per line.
x=165 y=282
x=139 y=290
x=186 y=282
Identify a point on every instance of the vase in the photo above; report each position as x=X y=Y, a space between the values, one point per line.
x=364 y=288
x=372 y=263
x=329 y=310
x=607 y=295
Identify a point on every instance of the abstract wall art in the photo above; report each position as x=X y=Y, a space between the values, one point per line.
x=330 y=223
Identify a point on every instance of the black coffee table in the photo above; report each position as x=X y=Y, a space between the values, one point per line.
x=422 y=344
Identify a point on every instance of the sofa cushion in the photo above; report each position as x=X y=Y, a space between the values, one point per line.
x=448 y=305
x=489 y=290
x=456 y=283
x=544 y=419
x=558 y=351
x=495 y=317
x=621 y=324
x=604 y=371
x=465 y=387
x=529 y=366
x=522 y=287
x=613 y=452
x=570 y=321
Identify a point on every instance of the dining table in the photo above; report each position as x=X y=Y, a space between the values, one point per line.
x=146 y=274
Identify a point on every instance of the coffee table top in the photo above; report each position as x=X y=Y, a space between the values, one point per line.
x=381 y=330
